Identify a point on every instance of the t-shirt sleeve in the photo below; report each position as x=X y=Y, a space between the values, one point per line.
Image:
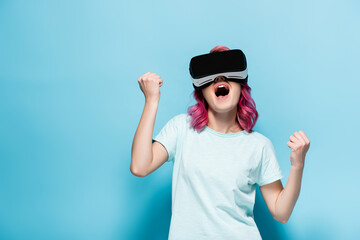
x=168 y=137
x=269 y=169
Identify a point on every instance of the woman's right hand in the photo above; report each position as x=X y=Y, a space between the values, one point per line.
x=150 y=84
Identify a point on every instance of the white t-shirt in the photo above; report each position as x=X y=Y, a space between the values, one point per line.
x=214 y=177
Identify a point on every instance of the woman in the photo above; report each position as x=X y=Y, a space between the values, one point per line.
x=218 y=160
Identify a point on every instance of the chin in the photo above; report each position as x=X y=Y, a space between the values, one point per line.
x=224 y=109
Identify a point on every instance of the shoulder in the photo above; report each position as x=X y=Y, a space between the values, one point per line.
x=180 y=119
x=259 y=138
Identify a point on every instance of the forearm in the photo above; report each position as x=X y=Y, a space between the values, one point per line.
x=288 y=196
x=141 y=153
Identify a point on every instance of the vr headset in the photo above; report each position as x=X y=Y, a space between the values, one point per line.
x=205 y=68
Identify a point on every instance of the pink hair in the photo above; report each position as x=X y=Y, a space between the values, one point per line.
x=246 y=115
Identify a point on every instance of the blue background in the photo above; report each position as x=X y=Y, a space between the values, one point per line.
x=70 y=104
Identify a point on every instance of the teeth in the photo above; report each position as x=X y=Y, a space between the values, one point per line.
x=222 y=86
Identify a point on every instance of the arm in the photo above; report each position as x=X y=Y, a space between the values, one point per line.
x=279 y=200
x=142 y=147
x=141 y=151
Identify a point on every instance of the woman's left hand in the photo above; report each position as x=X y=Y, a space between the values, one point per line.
x=299 y=144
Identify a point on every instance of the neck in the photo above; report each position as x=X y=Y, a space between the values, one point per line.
x=223 y=122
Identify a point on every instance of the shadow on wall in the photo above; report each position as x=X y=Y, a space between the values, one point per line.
x=269 y=228
x=155 y=222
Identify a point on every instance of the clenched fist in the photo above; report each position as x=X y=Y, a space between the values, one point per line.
x=299 y=144
x=150 y=84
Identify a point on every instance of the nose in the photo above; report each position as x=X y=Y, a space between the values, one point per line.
x=220 y=79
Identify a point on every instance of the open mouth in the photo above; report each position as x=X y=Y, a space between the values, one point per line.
x=221 y=90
